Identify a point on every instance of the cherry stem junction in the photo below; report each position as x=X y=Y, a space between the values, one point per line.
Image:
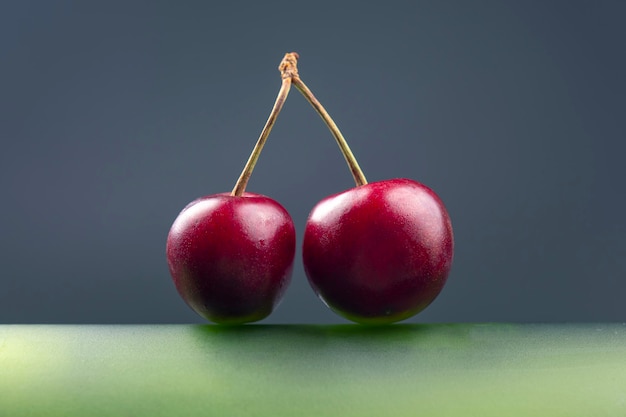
x=284 y=68
x=289 y=73
x=357 y=173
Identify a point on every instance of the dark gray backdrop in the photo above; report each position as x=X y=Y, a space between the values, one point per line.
x=114 y=115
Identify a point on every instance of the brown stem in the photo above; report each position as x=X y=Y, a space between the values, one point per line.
x=292 y=72
x=285 y=66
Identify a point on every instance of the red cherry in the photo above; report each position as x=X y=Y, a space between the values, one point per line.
x=380 y=252
x=231 y=254
x=231 y=257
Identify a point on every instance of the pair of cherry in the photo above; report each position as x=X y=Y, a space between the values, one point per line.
x=377 y=253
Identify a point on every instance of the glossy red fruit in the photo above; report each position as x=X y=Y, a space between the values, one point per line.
x=231 y=257
x=380 y=252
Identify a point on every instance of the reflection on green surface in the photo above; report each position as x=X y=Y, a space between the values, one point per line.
x=345 y=370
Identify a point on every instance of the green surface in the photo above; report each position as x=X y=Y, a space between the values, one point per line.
x=259 y=370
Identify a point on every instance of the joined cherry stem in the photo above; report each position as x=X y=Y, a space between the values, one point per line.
x=289 y=73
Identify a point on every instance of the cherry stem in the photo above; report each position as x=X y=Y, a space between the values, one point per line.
x=285 y=68
x=357 y=173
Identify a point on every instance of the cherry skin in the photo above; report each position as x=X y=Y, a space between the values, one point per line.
x=380 y=252
x=231 y=257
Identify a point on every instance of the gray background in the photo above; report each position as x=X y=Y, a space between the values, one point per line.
x=114 y=115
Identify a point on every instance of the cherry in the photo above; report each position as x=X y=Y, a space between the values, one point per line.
x=380 y=252
x=231 y=257
x=231 y=254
